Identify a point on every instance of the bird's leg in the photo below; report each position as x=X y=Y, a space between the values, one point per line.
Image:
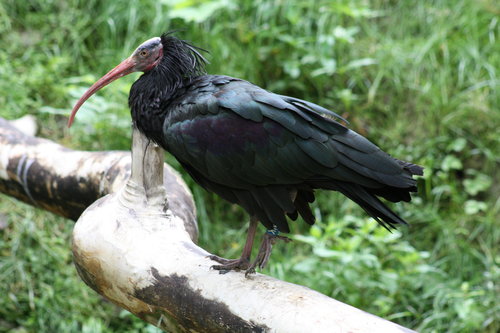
x=244 y=261
x=270 y=238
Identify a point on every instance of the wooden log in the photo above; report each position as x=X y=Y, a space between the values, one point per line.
x=137 y=246
x=147 y=263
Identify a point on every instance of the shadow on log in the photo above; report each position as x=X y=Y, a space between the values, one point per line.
x=137 y=248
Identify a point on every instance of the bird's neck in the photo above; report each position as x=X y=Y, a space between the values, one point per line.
x=149 y=103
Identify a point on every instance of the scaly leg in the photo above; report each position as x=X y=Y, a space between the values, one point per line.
x=244 y=261
x=270 y=238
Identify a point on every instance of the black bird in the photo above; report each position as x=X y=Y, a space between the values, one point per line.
x=265 y=152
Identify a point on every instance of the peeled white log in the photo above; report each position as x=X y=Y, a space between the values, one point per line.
x=138 y=250
x=26 y=124
x=133 y=250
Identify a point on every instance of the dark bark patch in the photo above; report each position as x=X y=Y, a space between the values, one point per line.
x=190 y=309
x=87 y=277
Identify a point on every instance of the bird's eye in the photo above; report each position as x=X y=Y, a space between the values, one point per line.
x=144 y=53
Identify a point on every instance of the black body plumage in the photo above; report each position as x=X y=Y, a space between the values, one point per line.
x=263 y=151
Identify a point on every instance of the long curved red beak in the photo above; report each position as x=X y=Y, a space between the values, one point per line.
x=125 y=68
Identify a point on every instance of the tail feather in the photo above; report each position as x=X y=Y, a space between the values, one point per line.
x=416 y=170
x=302 y=205
x=385 y=216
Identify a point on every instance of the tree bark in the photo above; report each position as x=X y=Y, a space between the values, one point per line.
x=137 y=249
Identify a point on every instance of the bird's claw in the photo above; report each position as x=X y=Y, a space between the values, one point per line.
x=229 y=264
x=266 y=247
x=263 y=255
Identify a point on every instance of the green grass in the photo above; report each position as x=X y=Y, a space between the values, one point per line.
x=419 y=78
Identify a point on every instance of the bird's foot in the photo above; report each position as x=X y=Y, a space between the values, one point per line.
x=229 y=264
x=265 y=250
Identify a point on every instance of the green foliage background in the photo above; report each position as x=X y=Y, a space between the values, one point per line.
x=419 y=78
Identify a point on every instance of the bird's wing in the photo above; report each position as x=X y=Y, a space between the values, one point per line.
x=251 y=146
x=239 y=135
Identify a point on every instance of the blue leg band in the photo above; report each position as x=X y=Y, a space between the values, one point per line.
x=274 y=231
